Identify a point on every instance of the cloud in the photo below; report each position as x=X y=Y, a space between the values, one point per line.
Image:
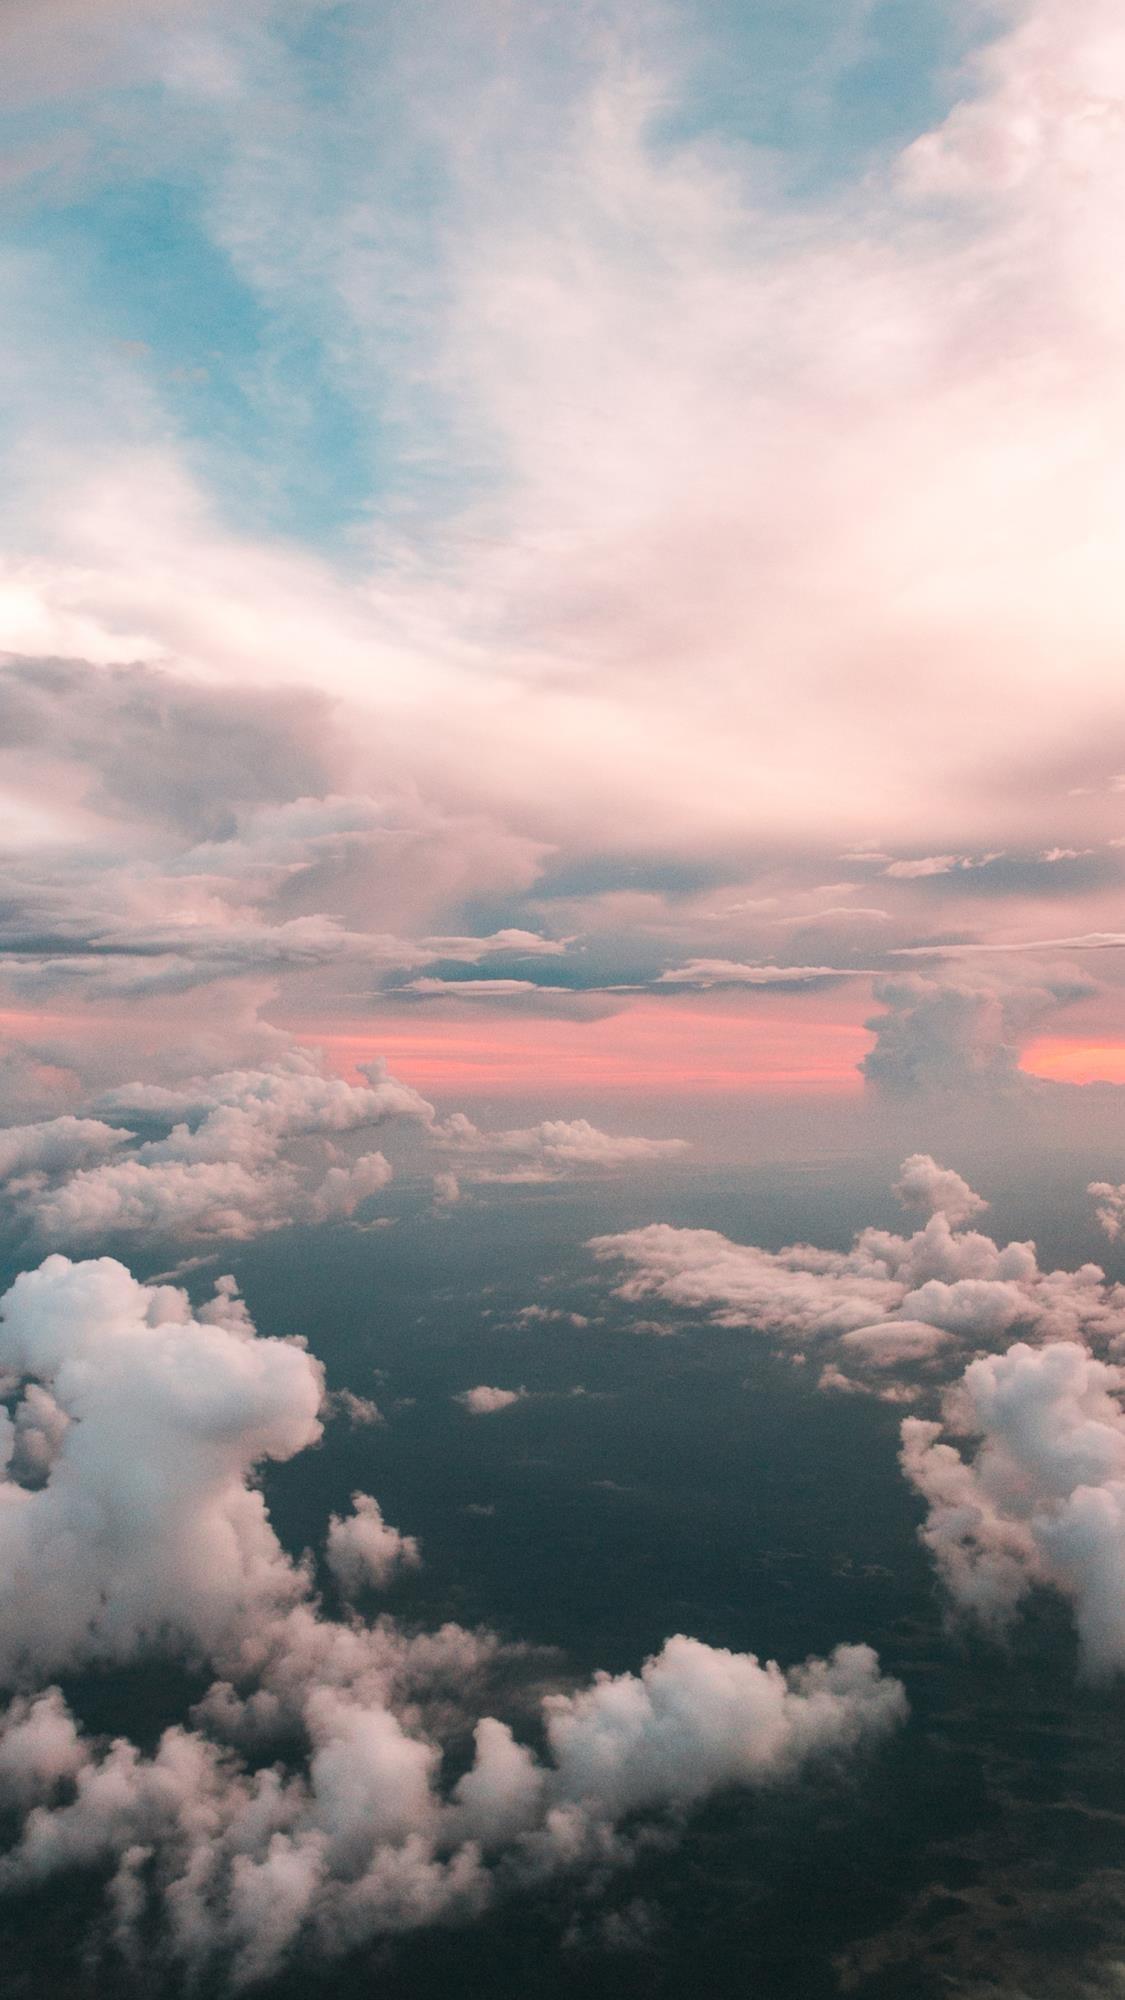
x=698 y=1718
x=962 y=1031
x=706 y=972
x=304 y=1798
x=56 y=1144
x=224 y=1168
x=889 y=1300
x=245 y=1151
x=364 y=1551
x=551 y=1149
x=484 y=1401
x=936 y=1190
x=797 y=1291
x=1110 y=1199
x=888 y=1344
x=1042 y=1500
x=472 y=989
x=146 y=1532
x=479 y=705
x=930 y=864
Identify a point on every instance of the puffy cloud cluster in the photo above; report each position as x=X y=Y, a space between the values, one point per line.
x=887 y=1302
x=244 y=1151
x=304 y=1799
x=1041 y=1498
x=143 y=1529
x=249 y=1150
x=56 y=1145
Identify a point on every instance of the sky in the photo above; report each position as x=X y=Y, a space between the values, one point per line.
x=522 y=516
x=560 y=640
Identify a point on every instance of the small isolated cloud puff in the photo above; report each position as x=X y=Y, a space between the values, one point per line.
x=922 y=1184
x=483 y=1401
x=364 y=1551
x=1110 y=1209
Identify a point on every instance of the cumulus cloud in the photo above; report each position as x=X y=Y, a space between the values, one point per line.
x=364 y=1550
x=229 y=1165
x=56 y=1144
x=1110 y=1206
x=233 y=1154
x=887 y=1301
x=483 y=1400
x=1041 y=1500
x=146 y=1530
x=963 y=1030
x=699 y=1717
x=147 y=1533
x=893 y=1341
x=922 y=1184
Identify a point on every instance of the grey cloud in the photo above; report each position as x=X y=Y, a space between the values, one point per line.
x=161 y=749
x=962 y=1030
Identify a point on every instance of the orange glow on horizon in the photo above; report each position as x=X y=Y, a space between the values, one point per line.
x=650 y=1046
x=1063 y=1060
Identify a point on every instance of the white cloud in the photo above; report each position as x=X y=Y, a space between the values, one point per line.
x=223 y=1170
x=936 y=1190
x=55 y=1144
x=364 y=1550
x=556 y=1147
x=707 y=972
x=889 y=1299
x=699 y=1717
x=150 y=1535
x=1041 y=1501
x=483 y=1400
x=895 y=1341
x=146 y=1531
